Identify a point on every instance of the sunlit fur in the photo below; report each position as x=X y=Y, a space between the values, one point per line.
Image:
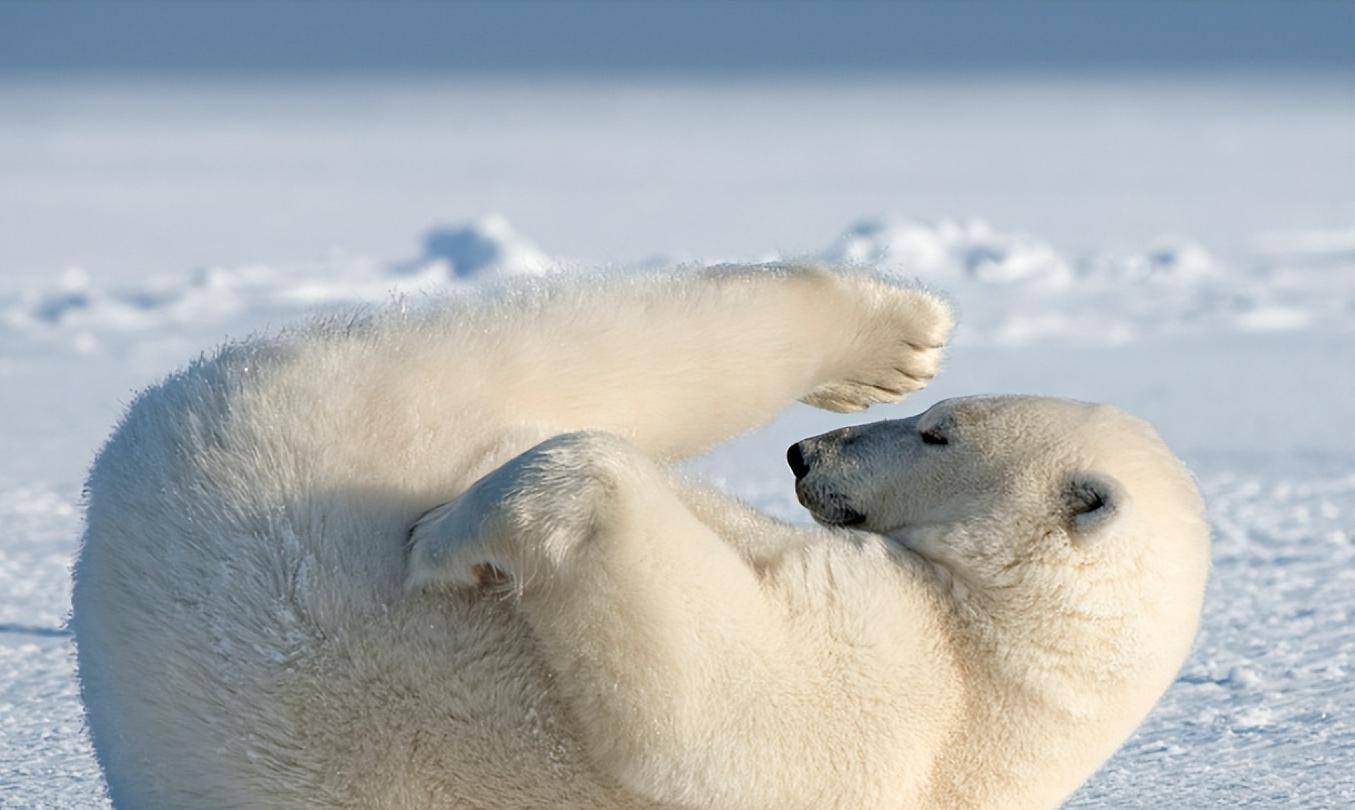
x=572 y=625
x=246 y=637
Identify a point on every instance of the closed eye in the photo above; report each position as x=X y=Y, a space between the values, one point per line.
x=933 y=437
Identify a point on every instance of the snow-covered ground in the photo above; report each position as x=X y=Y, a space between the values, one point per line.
x=1184 y=250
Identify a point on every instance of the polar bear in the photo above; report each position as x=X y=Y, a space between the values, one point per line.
x=438 y=558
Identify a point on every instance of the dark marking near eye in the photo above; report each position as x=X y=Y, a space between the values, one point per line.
x=932 y=437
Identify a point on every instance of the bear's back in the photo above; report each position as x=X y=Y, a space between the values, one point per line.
x=242 y=634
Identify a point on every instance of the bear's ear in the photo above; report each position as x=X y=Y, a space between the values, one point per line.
x=1091 y=503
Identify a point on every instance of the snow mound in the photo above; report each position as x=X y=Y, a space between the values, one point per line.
x=73 y=311
x=1308 y=247
x=1169 y=264
x=1010 y=288
x=488 y=246
x=1014 y=289
x=950 y=251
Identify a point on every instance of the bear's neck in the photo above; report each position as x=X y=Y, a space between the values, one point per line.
x=1036 y=702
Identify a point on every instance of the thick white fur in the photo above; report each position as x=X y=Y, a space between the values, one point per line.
x=257 y=628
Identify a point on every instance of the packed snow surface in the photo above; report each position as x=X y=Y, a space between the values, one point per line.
x=1240 y=350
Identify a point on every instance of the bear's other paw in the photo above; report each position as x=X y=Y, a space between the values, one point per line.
x=448 y=548
x=525 y=518
x=894 y=348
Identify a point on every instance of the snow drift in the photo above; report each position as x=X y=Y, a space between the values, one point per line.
x=1010 y=288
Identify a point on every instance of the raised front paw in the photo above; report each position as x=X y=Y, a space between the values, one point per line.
x=894 y=339
x=523 y=520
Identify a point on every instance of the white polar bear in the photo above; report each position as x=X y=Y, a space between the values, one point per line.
x=575 y=626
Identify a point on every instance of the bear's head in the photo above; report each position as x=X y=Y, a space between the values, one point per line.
x=1067 y=539
x=1002 y=488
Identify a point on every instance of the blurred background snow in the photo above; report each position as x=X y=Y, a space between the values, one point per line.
x=1146 y=204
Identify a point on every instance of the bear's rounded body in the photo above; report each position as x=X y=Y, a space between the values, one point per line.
x=257 y=627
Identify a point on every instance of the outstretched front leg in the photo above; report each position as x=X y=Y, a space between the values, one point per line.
x=678 y=364
x=680 y=672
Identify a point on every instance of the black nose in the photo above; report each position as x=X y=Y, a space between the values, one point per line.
x=796 y=460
